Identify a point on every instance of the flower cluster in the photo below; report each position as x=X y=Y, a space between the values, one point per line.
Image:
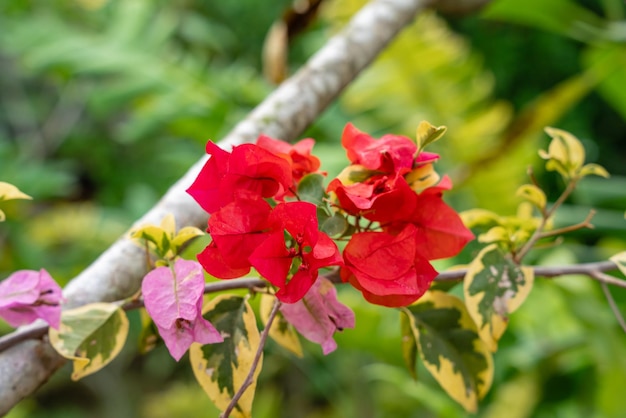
x=389 y=200
x=282 y=240
x=392 y=185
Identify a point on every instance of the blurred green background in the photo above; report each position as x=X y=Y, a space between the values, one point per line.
x=105 y=103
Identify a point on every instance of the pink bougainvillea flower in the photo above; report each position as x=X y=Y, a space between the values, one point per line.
x=309 y=250
x=389 y=270
x=249 y=171
x=173 y=299
x=27 y=295
x=318 y=315
x=389 y=154
x=298 y=155
x=237 y=230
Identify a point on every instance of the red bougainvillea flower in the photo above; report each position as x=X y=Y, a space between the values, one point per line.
x=27 y=295
x=294 y=268
x=438 y=225
x=173 y=299
x=237 y=230
x=389 y=154
x=389 y=270
x=298 y=155
x=248 y=171
x=318 y=315
x=380 y=198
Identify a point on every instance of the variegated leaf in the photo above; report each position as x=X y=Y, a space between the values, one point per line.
x=494 y=287
x=91 y=336
x=222 y=368
x=450 y=347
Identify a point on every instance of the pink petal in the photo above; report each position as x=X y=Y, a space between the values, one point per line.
x=28 y=295
x=171 y=295
x=19 y=288
x=318 y=315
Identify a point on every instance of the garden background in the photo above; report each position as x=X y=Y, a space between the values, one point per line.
x=104 y=104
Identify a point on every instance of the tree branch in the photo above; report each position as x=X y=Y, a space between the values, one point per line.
x=117 y=273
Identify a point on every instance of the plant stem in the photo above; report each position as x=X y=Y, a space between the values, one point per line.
x=584 y=224
x=250 y=377
x=545 y=217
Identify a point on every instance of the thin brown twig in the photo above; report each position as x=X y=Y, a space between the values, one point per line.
x=606 y=279
x=584 y=224
x=613 y=305
x=250 y=377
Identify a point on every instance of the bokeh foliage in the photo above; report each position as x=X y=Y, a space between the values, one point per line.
x=105 y=103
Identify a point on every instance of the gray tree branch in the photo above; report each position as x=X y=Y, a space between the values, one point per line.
x=285 y=114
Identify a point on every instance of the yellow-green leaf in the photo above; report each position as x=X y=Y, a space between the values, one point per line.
x=620 y=260
x=427 y=134
x=154 y=234
x=495 y=234
x=10 y=192
x=593 y=170
x=450 y=347
x=475 y=217
x=168 y=224
x=91 y=336
x=222 y=368
x=422 y=177
x=184 y=235
x=494 y=287
x=281 y=331
x=566 y=147
x=566 y=153
x=533 y=194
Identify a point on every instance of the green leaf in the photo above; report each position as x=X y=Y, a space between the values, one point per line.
x=92 y=336
x=409 y=346
x=311 y=189
x=281 y=331
x=334 y=225
x=494 y=287
x=222 y=368
x=620 y=260
x=533 y=194
x=553 y=15
x=495 y=234
x=427 y=134
x=450 y=347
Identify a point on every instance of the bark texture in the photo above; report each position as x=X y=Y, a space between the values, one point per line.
x=117 y=273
